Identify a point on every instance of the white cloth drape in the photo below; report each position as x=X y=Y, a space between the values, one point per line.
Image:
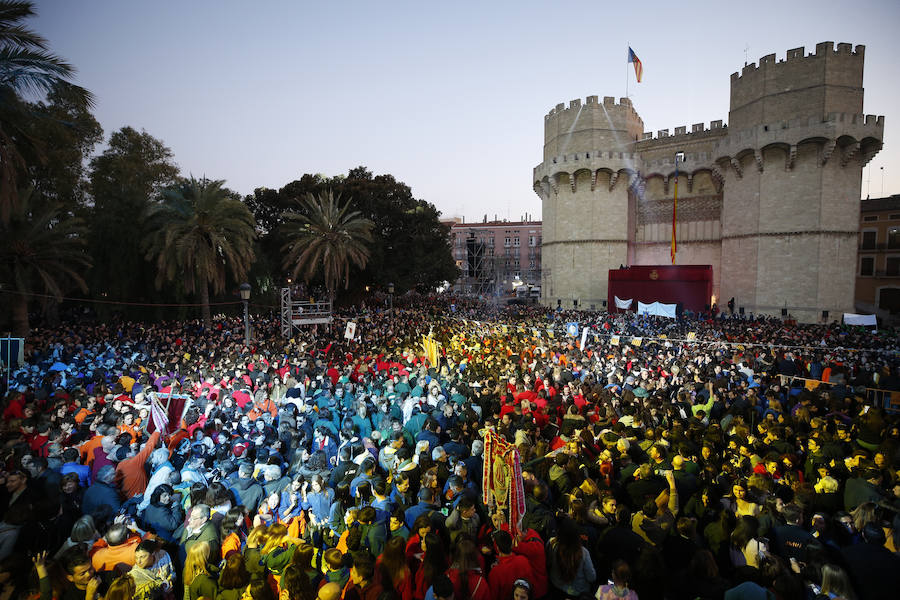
x=657 y=309
x=623 y=304
x=855 y=319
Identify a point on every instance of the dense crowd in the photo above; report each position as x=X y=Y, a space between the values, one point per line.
x=710 y=457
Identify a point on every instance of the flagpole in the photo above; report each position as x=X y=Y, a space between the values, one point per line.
x=627 y=56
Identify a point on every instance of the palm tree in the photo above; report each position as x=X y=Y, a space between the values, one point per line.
x=42 y=251
x=326 y=237
x=27 y=69
x=197 y=231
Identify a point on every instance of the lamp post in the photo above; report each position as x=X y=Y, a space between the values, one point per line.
x=245 y=298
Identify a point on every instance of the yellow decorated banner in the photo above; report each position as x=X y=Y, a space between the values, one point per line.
x=614 y=340
x=430 y=346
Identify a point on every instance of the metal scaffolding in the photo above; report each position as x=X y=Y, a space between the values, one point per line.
x=297 y=314
x=480 y=275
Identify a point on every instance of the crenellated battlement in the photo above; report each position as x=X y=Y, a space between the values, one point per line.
x=698 y=130
x=793 y=131
x=584 y=125
x=796 y=55
x=609 y=102
x=801 y=84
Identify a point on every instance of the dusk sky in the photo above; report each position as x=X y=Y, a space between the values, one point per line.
x=449 y=98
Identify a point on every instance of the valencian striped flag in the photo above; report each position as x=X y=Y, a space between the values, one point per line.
x=675 y=214
x=638 y=67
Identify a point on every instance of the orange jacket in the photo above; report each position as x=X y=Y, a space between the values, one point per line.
x=87 y=449
x=105 y=557
x=231 y=543
x=82 y=414
x=130 y=473
x=265 y=406
x=130 y=430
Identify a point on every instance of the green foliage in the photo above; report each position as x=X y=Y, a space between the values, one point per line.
x=196 y=232
x=70 y=132
x=325 y=237
x=27 y=70
x=409 y=247
x=125 y=179
x=41 y=252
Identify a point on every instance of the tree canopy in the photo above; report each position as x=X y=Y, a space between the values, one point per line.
x=28 y=71
x=325 y=237
x=410 y=247
x=197 y=233
x=115 y=223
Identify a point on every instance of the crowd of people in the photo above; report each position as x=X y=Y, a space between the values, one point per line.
x=708 y=457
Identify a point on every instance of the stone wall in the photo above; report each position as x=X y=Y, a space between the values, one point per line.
x=771 y=202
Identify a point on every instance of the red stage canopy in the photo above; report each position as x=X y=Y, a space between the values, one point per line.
x=690 y=285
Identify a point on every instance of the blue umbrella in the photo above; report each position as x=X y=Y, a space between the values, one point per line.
x=58 y=366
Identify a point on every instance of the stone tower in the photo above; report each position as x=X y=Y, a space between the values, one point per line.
x=771 y=201
x=585 y=183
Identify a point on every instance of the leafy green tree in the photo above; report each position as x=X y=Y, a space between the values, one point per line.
x=71 y=133
x=124 y=180
x=326 y=238
x=410 y=247
x=41 y=252
x=197 y=232
x=27 y=69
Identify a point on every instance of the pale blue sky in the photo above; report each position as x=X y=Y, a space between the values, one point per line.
x=449 y=97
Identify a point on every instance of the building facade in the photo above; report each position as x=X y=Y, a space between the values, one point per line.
x=496 y=256
x=770 y=200
x=878 y=271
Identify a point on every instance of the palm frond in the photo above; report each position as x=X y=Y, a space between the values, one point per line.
x=325 y=238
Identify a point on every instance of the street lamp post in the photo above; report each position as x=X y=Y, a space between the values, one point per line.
x=245 y=298
x=391 y=295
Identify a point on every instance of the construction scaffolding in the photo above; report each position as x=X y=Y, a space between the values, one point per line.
x=479 y=276
x=295 y=313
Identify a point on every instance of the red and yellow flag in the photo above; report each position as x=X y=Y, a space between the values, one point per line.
x=638 y=66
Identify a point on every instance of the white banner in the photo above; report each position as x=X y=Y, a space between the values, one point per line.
x=657 y=309
x=623 y=304
x=855 y=319
x=350 y=332
x=584 y=333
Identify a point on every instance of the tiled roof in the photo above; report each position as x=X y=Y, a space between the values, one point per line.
x=880 y=204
